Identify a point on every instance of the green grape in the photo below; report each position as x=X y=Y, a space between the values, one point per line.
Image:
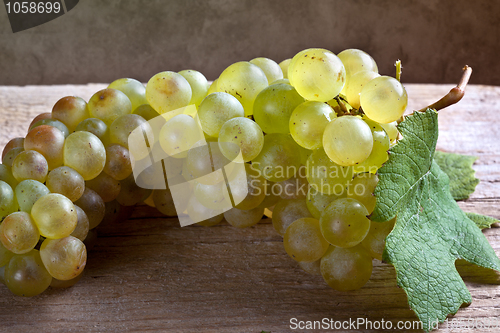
x=30 y=164
x=198 y=83
x=66 y=181
x=120 y=129
x=55 y=216
x=53 y=123
x=131 y=194
x=273 y=107
x=269 y=67
x=347 y=140
x=65 y=284
x=355 y=61
x=82 y=225
x=135 y=91
x=6 y=175
x=64 y=258
x=216 y=109
x=384 y=99
x=247 y=192
x=317 y=202
x=244 y=81
x=326 y=176
x=25 y=275
x=168 y=91
x=241 y=134
x=118 y=163
x=93 y=205
x=284 y=67
x=308 y=122
x=304 y=154
x=392 y=130
x=317 y=74
x=344 y=222
x=179 y=134
x=106 y=186
x=164 y=202
x=294 y=188
x=146 y=112
x=313 y=267
x=272 y=192
x=11 y=155
x=282 y=81
x=213 y=87
x=5 y=255
x=379 y=154
x=18 y=233
x=28 y=192
x=13 y=143
x=346 y=269
x=8 y=202
x=212 y=196
x=85 y=153
x=45 y=115
x=278 y=160
x=355 y=84
x=96 y=127
x=303 y=240
x=200 y=213
x=211 y=221
x=287 y=211
x=114 y=212
x=374 y=242
x=71 y=111
x=48 y=141
x=109 y=104
x=240 y=218
x=149 y=201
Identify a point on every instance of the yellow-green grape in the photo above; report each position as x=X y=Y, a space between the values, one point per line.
x=131 y=194
x=66 y=181
x=216 y=109
x=384 y=99
x=212 y=196
x=255 y=189
x=85 y=153
x=179 y=134
x=109 y=104
x=293 y=188
x=26 y=275
x=202 y=160
x=287 y=211
x=200 y=213
x=379 y=154
x=53 y=123
x=281 y=81
x=11 y=155
x=135 y=91
x=49 y=142
x=317 y=202
x=346 y=269
x=93 y=205
x=121 y=128
x=65 y=284
x=5 y=255
x=278 y=159
x=317 y=74
x=240 y=218
x=344 y=222
x=213 y=87
x=168 y=91
x=45 y=115
x=313 y=267
x=55 y=216
x=325 y=175
x=354 y=61
x=13 y=143
x=71 y=111
x=304 y=155
x=374 y=242
x=118 y=163
x=64 y=258
x=269 y=67
x=82 y=225
x=355 y=84
x=8 y=202
x=198 y=83
x=28 y=192
x=392 y=130
x=146 y=112
x=211 y=221
x=164 y=202
x=149 y=201
x=362 y=188
x=272 y=197
x=308 y=122
x=18 y=233
x=96 y=127
x=243 y=135
x=273 y=107
x=284 y=67
x=30 y=164
x=347 y=140
x=244 y=81
x=106 y=186
x=303 y=240
x=6 y=175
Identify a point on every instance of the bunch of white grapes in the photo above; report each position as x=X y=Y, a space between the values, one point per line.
x=312 y=132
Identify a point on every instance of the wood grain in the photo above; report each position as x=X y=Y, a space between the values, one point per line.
x=148 y=274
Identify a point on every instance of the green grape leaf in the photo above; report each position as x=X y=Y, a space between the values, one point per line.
x=482 y=221
x=459 y=170
x=431 y=231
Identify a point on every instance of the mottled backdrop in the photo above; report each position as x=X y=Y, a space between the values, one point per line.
x=99 y=41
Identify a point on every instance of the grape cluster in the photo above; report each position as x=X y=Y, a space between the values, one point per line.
x=311 y=131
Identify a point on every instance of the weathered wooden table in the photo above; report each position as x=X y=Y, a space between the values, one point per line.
x=149 y=274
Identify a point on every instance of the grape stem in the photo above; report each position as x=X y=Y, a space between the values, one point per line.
x=455 y=94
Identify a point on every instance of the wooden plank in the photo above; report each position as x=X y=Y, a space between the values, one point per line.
x=148 y=274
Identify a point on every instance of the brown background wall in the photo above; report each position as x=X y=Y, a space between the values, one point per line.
x=99 y=41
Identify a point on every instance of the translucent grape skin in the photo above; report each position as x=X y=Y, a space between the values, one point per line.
x=64 y=258
x=346 y=269
x=53 y=123
x=13 y=143
x=392 y=130
x=216 y=109
x=198 y=83
x=131 y=194
x=256 y=189
x=284 y=67
x=106 y=186
x=118 y=163
x=66 y=181
x=135 y=91
x=362 y=188
x=28 y=192
x=30 y=164
x=212 y=195
x=82 y=225
x=379 y=154
x=355 y=61
x=8 y=202
x=286 y=212
x=240 y=218
x=109 y=104
x=121 y=128
x=96 y=127
x=93 y=205
x=26 y=275
x=5 y=256
x=41 y=116
x=243 y=132
x=293 y=188
x=146 y=112
x=85 y=153
x=269 y=67
x=18 y=233
x=213 y=87
x=317 y=202
x=313 y=267
x=164 y=202
x=273 y=107
x=168 y=91
x=11 y=155
x=70 y=111
x=54 y=215
x=178 y=135
x=308 y=122
x=374 y=241
x=6 y=175
x=347 y=140
x=48 y=141
x=344 y=222
x=355 y=84
x=303 y=240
